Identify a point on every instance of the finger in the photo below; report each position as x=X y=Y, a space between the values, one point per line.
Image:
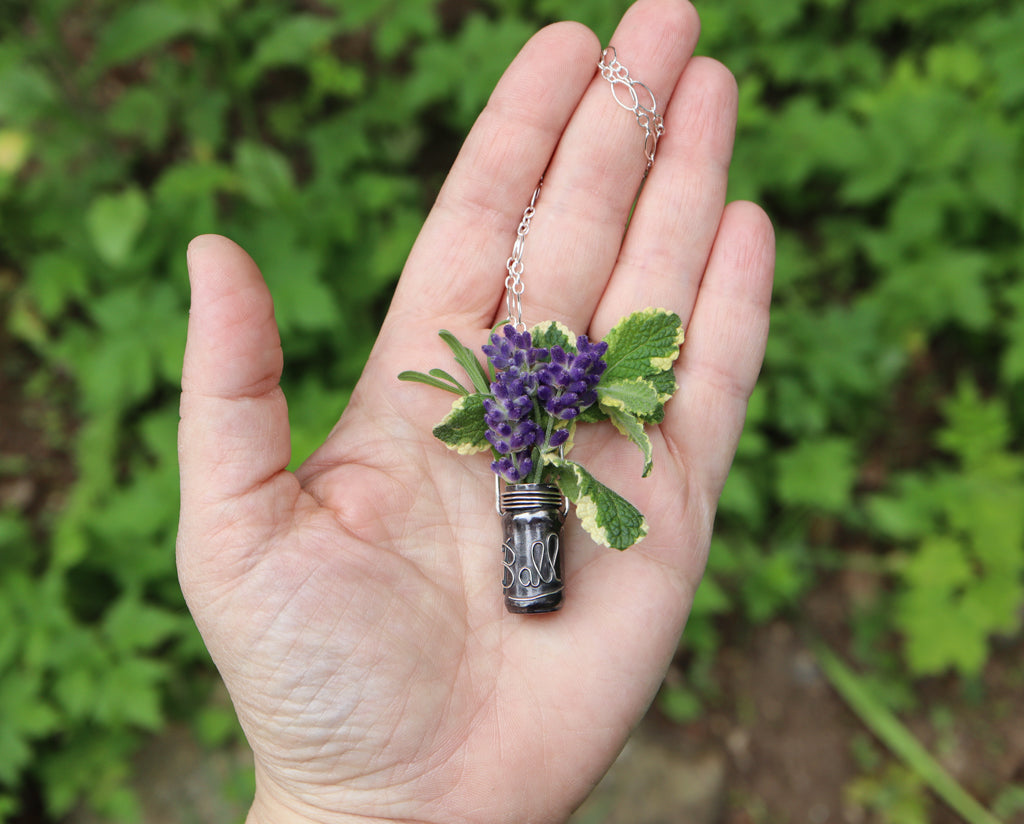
x=234 y=423
x=590 y=187
x=644 y=593
x=724 y=348
x=457 y=267
x=670 y=234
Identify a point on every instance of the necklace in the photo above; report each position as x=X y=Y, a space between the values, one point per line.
x=536 y=386
x=647 y=118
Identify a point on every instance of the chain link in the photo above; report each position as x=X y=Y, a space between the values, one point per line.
x=514 y=279
x=647 y=118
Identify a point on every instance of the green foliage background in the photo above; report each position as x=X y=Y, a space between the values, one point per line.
x=884 y=138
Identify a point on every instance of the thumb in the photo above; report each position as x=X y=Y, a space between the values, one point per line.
x=233 y=435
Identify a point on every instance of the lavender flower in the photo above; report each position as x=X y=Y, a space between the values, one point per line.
x=511 y=429
x=567 y=382
x=515 y=350
x=558 y=438
x=563 y=384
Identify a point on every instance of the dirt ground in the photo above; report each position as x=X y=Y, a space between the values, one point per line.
x=779 y=745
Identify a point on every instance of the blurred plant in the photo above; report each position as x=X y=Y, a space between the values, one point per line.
x=884 y=138
x=963 y=580
x=895 y=792
x=316 y=139
x=891 y=162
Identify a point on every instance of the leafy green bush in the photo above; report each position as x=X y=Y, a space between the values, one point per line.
x=317 y=141
x=885 y=142
x=963 y=580
x=884 y=139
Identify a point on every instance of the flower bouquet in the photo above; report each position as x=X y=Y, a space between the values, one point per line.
x=536 y=387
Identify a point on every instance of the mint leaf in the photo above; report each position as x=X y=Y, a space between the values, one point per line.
x=552 y=333
x=633 y=429
x=635 y=397
x=463 y=428
x=665 y=383
x=609 y=518
x=467 y=360
x=643 y=345
x=592 y=414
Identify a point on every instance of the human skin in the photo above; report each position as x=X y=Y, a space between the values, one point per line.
x=354 y=607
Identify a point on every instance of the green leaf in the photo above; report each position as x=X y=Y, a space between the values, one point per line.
x=937 y=634
x=295 y=272
x=631 y=427
x=142 y=27
x=642 y=345
x=592 y=414
x=394 y=33
x=609 y=518
x=552 y=333
x=331 y=76
x=710 y=598
x=771 y=581
x=680 y=704
x=132 y=625
x=468 y=361
x=890 y=731
x=420 y=377
x=133 y=693
x=265 y=175
x=463 y=428
x=115 y=222
x=27 y=716
x=440 y=374
x=975 y=428
x=634 y=397
x=25 y=89
x=140 y=112
x=292 y=42
x=908 y=514
x=818 y=473
x=54 y=280
x=76 y=690
x=940 y=565
x=665 y=383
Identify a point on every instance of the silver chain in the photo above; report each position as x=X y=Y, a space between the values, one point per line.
x=647 y=118
x=514 y=279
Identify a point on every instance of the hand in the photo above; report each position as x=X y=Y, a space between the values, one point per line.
x=354 y=607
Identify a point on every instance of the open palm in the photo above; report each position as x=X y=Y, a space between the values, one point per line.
x=354 y=607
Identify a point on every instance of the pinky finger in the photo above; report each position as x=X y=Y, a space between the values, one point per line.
x=725 y=345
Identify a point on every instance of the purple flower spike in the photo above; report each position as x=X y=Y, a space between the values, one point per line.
x=514 y=350
x=513 y=469
x=562 y=383
x=567 y=383
x=511 y=429
x=558 y=437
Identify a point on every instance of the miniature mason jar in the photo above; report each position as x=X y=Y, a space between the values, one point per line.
x=532 y=517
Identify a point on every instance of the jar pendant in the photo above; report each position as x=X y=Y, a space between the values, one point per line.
x=532 y=517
